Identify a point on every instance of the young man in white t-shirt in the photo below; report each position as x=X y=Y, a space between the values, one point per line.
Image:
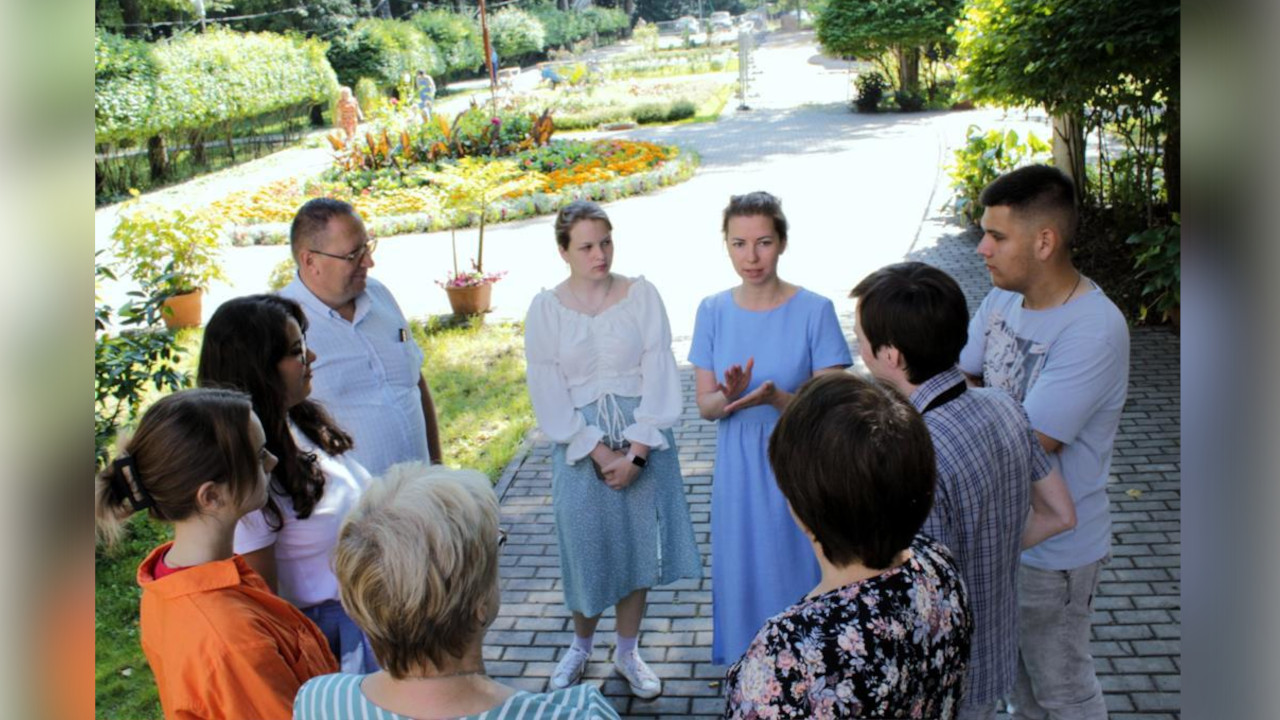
x=1050 y=337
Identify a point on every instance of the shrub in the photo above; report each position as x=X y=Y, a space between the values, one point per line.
x=682 y=109
x=651 y=113
x=871 y=87
x=516 y=34
x=457 y=40
x=175 y=251
x=385 y=51
x=984 y=157
x=131 y=362
x=561 y=28
x=1158 y=261
x=198 y=82
x=608 y=22
x=908 y=101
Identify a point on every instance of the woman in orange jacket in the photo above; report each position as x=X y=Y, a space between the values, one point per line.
x=221 y=644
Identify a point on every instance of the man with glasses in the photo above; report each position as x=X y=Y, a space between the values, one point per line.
x=367 y=371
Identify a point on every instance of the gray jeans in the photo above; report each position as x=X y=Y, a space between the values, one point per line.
x=1056 y=678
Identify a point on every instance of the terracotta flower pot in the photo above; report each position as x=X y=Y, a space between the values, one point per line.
x=183 y=311
x=470 y=300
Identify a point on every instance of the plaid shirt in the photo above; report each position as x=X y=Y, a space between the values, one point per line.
x=988 y=457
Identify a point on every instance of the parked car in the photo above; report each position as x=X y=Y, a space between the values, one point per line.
x=720 y=21
x=689 y=24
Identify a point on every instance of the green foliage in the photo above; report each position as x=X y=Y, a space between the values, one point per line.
x=1158 y=260
x=197 y=82
x=173 y=251
x=473 y=184
x=646 y=36
x=871 y=87
x=984 y=157
x=457 y=39
x=282 y=274
x=516 y=34
x=651 y=112
x=561 y=28
x=908 y=101
x=681 y=109
x=384 y=50
x=867 y=29
x=1065 y=53
x=131 y=360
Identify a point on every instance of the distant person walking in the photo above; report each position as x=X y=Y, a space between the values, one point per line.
x=349 y=114
x=426 y=93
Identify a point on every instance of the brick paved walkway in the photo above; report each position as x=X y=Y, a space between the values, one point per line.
x=1137 y=630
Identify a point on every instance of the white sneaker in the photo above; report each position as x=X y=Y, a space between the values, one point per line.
x=569 y=670
x=644 y=683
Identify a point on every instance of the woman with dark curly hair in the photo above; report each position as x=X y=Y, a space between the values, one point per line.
x=257 y=344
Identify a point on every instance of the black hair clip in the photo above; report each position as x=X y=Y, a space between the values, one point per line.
x=139 y=500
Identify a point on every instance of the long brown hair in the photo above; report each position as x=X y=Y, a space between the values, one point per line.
x=244 y=343
x=183 y=441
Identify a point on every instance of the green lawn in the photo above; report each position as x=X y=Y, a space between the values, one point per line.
x=476 y=374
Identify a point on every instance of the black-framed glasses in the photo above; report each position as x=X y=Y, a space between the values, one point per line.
x=354 y=257
x=502 y=538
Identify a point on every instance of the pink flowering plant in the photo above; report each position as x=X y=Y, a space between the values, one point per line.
x=470 y=278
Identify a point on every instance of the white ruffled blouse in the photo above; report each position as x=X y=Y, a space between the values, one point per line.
x=576 y=359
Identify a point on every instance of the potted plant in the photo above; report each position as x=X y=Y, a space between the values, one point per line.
x=173 y=253
x=470 y=187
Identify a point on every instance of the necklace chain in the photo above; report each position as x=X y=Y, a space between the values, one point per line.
x=593 y=310
x=1079 y=277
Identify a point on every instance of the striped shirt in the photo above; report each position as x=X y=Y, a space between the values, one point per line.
x=988 y=457
x=340 y=697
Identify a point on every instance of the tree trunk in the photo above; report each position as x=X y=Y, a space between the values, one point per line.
x=1068 y=148
x=908 y=69
x=562 y=5
x=1173 y=154
x=196 y=141
x=630 y=7
x=131 y=14
x=158 y=155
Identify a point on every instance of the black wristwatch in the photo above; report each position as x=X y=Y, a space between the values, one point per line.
x=637 y=460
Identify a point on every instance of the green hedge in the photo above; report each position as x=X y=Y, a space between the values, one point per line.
x=195 y=82
x=565 y=28
x=516 y=34
x=457 y=40
x=384 y=51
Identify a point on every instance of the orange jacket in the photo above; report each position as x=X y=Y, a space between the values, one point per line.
x=222 y=645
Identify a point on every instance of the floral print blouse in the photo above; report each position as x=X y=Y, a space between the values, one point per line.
x=892 y=646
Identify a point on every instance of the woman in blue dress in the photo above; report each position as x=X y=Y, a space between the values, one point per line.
x=753 y=346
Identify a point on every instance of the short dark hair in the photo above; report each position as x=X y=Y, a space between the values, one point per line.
x=756 y=203
x=574 y=213
x=1036 y=189
x=856 y=462
x=918 y=309
x=313 y=217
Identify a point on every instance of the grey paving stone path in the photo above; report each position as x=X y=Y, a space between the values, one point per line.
x=1137 y=629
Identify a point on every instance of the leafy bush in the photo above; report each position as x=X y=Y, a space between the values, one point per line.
x=197 y=82
x=607 y=22
x=871 y=87
x=908 y=101
x=384 y=50
x=516 y=34
x=1158 y=261
x=130 y=362
x=172 y=251
x=651 y=113
x=457 y=40
x=561 y=28
x=682 y=109
x=984 y=157
x=593 y=118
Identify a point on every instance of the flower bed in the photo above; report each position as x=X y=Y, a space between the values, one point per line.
x=601 y=170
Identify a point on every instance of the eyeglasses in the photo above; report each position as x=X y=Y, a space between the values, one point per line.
x=355 y=257
x=502 y=538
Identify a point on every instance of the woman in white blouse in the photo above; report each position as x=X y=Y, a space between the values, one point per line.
x=605 y=389
x=257 y=344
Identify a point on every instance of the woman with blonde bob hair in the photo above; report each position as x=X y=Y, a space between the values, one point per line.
x=417 y=562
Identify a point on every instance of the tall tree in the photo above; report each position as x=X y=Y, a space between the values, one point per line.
x=1071 y=55
x=869 y=29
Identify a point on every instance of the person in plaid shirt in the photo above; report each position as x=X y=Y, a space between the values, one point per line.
x=997 y=491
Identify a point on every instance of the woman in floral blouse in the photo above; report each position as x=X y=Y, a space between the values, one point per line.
x=886 y=632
